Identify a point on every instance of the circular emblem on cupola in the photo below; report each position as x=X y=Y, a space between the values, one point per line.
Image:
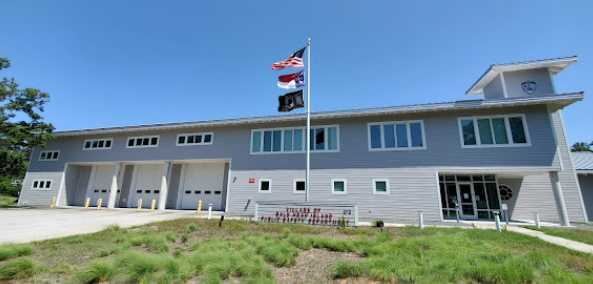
x=506 y=192
x=529 y=87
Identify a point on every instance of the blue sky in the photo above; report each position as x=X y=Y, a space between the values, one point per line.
x=112 y=63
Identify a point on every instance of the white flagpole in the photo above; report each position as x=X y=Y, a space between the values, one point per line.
x=308 y=171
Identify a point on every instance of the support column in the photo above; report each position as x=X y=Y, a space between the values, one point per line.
x=164 y=186
x=114 y=186
x=557 y=188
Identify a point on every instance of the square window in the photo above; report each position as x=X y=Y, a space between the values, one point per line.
x=87 y=144
x=381 y=186
x=191 y=139
x=42 y=184
x=207 y=138
x=95 y=144
x=108 y=144
x=101 y=143
x=264 y=185
x=48 y=184
x=43 y=155
x=198 y=139
x=154 y=140
x=181 y=140
x=130 y=142
x=138 y=142
x=35 y=184
x=338 y=186
x=55 y=155
x=145 y=141
x=299 y=186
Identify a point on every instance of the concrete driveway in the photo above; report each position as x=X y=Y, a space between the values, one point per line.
x=20 y=225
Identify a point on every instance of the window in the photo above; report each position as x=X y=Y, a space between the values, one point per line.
x=495 y=131
x=265 y=185
x=292 y=140
x=41 y=184
x=49 y=155
x=97 y=144
x=194 y=139
x=397 y=135
x=338 y=186
x=299 y=186
x=143 y=142
x=380 y=186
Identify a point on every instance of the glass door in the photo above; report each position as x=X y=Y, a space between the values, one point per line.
x=465 y=191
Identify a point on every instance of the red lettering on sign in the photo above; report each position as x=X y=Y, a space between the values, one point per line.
x=251 y=180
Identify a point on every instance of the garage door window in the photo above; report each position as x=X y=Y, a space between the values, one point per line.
x=299 y=186
x=265 y=185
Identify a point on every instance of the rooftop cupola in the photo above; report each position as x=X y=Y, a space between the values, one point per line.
x=520 y=79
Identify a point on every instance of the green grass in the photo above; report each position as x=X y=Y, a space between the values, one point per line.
x=7 y=201
x=579 y=235
x=199 y=251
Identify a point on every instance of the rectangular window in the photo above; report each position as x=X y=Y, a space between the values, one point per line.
x=49 y=155
x=291 y=140
x=189 y=139
x=97 y=144
x=265 y=185
x=338 y=186
x=501 y=130
x=41 y=184
x=143 y=142
x=381 y=186
x=398 y=135
x=299 y=186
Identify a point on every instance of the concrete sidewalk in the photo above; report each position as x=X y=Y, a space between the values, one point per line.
x=573 y=245
x=20 y=225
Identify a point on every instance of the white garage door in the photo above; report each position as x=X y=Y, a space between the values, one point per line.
x=146 y=184
x=201 y=181
x=99 y=184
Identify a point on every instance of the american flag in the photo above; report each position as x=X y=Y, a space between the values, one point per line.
x=294 y=60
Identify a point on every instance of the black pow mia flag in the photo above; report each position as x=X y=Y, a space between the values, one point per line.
x=291 y=101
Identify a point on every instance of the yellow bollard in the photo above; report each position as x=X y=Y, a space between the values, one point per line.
x=87 y=202
x=153 y=204
x=52 y=204
x=139 y=203
x=199 y=209
x=99 y=203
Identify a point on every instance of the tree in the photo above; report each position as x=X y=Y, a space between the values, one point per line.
x=21 y=127
x=581 y=147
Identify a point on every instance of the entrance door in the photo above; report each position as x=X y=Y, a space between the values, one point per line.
x=467 y=199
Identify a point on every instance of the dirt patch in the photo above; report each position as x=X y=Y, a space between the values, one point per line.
x=313 y=266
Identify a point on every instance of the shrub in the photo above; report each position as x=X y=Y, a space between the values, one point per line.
x=149 y=268
x=190 y=228
x=151 y=242
x=10 y=251
x=16 y=269
x=96 y=272
x=343 y=269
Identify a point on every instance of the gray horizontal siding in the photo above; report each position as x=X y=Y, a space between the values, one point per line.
x=411 y=190
x=31 y=197
x=586 y=183
x=442 y=135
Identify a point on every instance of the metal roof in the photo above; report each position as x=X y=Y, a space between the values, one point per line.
x=555 y=65
x=583 y=161
x=560 y=101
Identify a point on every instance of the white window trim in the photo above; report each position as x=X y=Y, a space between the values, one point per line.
x=294 y=185
x=261 y=152
x=142 y=137
x=96 y=149
x=387 y=186
x=259 y=185
x=507 y=128
x=194 y=134
x=51 y=183
x=409 y=136
x=46 y=159
x=345 y=185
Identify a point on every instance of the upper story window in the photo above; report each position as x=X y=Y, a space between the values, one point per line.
x=195 y=139
x=143 y=141
x=494 y=131
x=49 y=155
x=292 y=140
x=97 y=144
x=41 y=184
x=396 y=135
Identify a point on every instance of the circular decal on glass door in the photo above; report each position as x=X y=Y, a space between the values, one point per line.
x=506 y=192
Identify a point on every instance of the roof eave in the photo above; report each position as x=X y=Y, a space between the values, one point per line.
x=557 y=100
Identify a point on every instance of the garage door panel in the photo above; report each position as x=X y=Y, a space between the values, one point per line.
x=100 y=184
x=146 y=183
x=202 y=182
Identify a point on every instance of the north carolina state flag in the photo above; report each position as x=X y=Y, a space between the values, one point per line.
x=291 y=81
